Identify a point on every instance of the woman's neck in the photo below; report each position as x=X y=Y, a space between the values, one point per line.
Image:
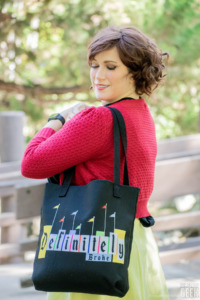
x=130 y=96
x=108 y=102
x=125 y=98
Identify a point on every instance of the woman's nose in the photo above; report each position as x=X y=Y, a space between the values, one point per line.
x=100 y=74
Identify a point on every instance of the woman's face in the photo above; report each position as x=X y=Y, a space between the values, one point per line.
x=110 y=78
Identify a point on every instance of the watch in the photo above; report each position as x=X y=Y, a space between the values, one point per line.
x=57 y=117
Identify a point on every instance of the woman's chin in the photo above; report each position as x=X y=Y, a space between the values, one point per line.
x=101 y=97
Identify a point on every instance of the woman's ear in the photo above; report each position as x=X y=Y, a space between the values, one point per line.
x=130 y=77
x=131 y=80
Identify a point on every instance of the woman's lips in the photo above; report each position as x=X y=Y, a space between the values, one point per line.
x=101 y=87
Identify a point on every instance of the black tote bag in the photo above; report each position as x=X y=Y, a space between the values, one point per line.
x=86 y=231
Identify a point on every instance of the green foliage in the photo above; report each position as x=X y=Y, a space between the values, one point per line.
x=45 y=43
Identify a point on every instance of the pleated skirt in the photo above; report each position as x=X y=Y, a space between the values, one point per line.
x=146 y=277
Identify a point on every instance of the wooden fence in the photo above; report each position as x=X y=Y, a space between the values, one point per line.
x=177 y=174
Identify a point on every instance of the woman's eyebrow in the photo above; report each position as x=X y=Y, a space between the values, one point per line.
x=108 y=61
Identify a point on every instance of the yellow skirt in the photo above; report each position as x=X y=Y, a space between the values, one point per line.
x=146 y=278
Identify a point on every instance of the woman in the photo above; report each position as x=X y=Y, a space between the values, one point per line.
x=124 y=65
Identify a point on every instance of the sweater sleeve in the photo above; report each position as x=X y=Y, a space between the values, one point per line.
x=82 y=138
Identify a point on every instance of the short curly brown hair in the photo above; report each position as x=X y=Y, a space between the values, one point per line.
x=136 y=51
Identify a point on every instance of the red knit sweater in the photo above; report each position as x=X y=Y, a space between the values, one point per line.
x=87 y=142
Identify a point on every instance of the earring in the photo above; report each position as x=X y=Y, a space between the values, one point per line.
x=91 y=87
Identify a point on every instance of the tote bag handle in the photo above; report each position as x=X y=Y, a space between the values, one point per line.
x=122 y=127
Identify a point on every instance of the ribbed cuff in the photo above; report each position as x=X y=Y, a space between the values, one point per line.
x=142 y=210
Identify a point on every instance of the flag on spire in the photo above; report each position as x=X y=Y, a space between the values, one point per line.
x=56 y=206
x=113 y=215
x=91 y=220
x=61 y=220
x=105 y=206
x=74 y=213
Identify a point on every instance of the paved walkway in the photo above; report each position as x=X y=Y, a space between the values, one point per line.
x=183 y=279
x=10 y=288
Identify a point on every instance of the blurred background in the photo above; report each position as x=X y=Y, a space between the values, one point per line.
x=43 y=50
x=43 y=69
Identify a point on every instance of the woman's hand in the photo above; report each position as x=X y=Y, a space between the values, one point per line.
x=68 y=113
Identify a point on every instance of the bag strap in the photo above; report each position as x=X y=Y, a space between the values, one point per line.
x=68 y=174
x=119 y=131
x=122 y=128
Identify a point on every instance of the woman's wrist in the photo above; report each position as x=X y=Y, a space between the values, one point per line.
x=54 y=124
x=67 y=114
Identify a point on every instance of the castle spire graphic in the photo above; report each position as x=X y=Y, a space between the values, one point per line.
x=55 y=207
x=92 y=220
x=114 y=216
x=74 y=214
x=79 y=227
x=62 y=221
x=105 y=207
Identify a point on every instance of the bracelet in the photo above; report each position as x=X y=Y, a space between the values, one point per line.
x=57 y=117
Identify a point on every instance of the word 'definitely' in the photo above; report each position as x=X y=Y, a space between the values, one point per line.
x=97 y=247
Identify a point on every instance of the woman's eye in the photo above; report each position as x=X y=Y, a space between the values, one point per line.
x=111 y=68
x=108 y=67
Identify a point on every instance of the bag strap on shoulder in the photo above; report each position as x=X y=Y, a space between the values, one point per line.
x=119 y=131
x=122 y=129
